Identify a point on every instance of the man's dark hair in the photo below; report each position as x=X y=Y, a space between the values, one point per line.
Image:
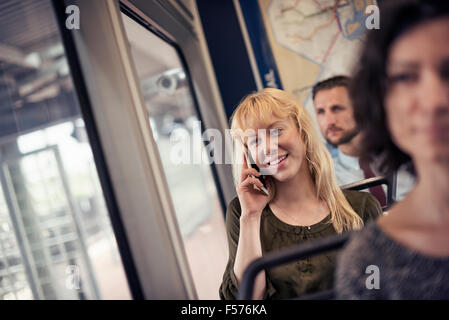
x=370 y=86
x=330 y=83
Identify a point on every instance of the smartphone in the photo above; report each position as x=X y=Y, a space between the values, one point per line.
x=261 y=179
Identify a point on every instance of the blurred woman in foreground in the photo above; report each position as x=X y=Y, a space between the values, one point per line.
x=401 y=98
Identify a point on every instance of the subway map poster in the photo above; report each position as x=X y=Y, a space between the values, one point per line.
x=309 y=40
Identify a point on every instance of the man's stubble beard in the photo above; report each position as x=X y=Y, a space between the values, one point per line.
x=347 y=137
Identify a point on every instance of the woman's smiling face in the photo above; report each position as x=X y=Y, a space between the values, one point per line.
x=277 y=148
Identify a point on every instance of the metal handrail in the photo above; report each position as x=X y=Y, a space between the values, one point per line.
x=284 y=256
x=389 y=181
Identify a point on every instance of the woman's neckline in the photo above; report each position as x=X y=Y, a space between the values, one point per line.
x=316 y=227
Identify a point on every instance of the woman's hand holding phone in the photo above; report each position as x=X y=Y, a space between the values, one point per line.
x=252 y=200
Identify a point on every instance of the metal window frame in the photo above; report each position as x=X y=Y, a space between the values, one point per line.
x=126 y=155
x=161 y=17
x=136 y=15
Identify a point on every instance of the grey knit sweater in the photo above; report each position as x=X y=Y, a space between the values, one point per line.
x=374 y=266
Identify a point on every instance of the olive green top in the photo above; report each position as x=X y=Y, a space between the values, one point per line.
x=301 y=277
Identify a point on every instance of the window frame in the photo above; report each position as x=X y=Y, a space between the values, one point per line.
x=127 y=159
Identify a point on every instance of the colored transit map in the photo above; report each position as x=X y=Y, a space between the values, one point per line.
x=313 y=39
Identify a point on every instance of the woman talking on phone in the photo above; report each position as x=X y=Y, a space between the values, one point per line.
x=303 y=202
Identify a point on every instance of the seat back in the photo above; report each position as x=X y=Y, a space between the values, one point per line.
x=389 y=181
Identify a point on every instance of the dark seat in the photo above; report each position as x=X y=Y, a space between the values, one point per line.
x=298 y=252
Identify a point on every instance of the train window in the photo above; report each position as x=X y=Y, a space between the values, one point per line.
x=175 y=126
x=56 y=239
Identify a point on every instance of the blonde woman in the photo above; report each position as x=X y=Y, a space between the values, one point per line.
x=303 y=202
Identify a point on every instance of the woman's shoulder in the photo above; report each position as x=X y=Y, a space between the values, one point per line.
x=359 y=199
x=364 y=203
x=356 y=262
x=362 y=244
x=234 y=204
x=373 y=259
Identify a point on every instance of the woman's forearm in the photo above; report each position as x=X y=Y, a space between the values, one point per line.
x=249 y=248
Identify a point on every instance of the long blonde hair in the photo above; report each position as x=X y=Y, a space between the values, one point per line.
x=269 y=102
